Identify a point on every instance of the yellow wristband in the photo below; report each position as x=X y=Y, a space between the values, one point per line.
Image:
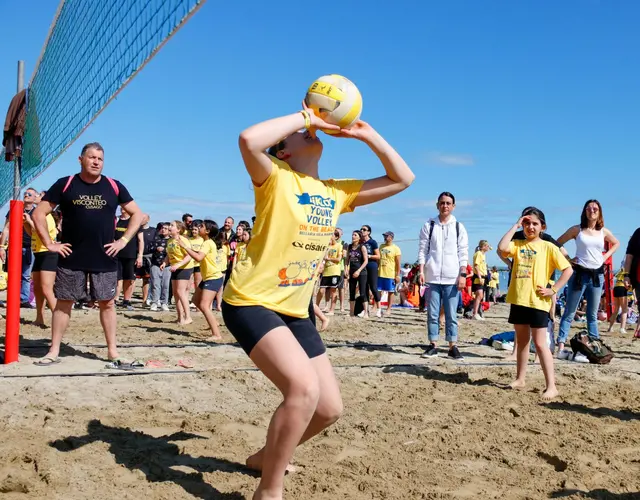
x=307 y=119
x=554 y=290
x=126 y=240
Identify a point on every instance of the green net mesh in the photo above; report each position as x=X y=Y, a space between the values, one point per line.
x=94 y=48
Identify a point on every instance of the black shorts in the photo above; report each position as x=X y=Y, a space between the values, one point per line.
x=535 y=318
x=476 y=286
x=71 y=284
x=211 y=285
x=145 y=270
x=45 y=261
x=126 y=269
x=196 y=269
x=248 y=324
x=330 y=282
x=182 y=275
x=618 y=291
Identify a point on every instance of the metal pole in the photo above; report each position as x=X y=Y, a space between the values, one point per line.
x=18 y=164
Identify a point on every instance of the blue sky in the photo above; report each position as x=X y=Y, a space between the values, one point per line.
x=505 y=104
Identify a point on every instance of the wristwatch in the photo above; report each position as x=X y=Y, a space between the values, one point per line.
x=463 y=275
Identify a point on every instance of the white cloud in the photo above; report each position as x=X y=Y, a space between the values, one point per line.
x=451 y=159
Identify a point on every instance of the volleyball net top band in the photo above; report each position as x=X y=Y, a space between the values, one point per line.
x=93 y=49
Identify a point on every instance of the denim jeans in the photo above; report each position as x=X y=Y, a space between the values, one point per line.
x=160 y=283
x=592 y=293
x=446 y=295
x=27 y=265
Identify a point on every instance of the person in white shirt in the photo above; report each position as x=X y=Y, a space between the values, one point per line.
x=443 y=253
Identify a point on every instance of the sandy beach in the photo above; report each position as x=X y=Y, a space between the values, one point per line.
x=412 y=428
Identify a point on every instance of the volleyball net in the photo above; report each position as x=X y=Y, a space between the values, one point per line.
x=92 y=51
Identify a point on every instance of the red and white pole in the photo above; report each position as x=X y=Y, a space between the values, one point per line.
x=12 y=336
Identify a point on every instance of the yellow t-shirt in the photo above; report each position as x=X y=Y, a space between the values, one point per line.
x=620 y=278
x=332 y=268
x=209 y=266
x=479 y=261
x=495 y=279
x=241 y=251
x=296 y=215
x=388 y=254
x=222 y=259
x=196 y=243
x=36 y=243
x=533 y=263
x=176 y=253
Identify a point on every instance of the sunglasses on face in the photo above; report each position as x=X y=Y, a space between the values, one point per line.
x=364 y=230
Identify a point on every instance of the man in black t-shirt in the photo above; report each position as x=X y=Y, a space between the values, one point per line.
x=87 y=250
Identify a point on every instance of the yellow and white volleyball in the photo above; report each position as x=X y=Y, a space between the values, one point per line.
x=336 y=100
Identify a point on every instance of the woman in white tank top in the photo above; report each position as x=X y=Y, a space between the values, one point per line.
x=588 y=268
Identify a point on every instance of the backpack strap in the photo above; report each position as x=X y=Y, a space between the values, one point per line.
x=431 y=224
x=114 y=185
x=66 y=186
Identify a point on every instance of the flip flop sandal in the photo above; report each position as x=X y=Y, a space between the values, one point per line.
x=47 y=361
x=118 y=364
x=186 y=363
x=154 y=363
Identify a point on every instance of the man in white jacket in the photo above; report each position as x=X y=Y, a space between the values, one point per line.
x=443 y=253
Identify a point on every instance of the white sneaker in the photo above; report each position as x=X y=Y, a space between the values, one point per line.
x=379 y=313
x=147 y=303
x=478 y=317
x=154 y=307
x=165 y=307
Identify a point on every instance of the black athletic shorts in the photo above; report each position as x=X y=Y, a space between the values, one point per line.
x=535 y=318
x=618 y=291
x=126 y=269
x=45 y=261
x=196 y=269
x=330 y=282
x=248 y=324
x=144 y=271
x=71 y=284
x=476 y=286
x=211 y=285
x=182 y=274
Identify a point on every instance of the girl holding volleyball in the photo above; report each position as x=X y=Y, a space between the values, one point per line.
x=534 y=260
x=266 y=301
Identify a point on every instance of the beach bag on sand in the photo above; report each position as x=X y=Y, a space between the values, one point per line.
x=594 y=349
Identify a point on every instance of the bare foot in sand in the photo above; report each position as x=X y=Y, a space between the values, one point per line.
x=261 y=495
x=550 y=393
x=324 y=324
x=518 y=385
x=511 y=357
x=254 y=462
x=186 y=322
x=215 y=337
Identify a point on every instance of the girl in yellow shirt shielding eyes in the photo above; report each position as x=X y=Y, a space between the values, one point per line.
x=267 y=301
x=534 y=260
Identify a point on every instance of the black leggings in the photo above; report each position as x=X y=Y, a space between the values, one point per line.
x=361 y=281
x=372 y=282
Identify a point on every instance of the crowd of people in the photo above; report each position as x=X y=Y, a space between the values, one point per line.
x=268 y=277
